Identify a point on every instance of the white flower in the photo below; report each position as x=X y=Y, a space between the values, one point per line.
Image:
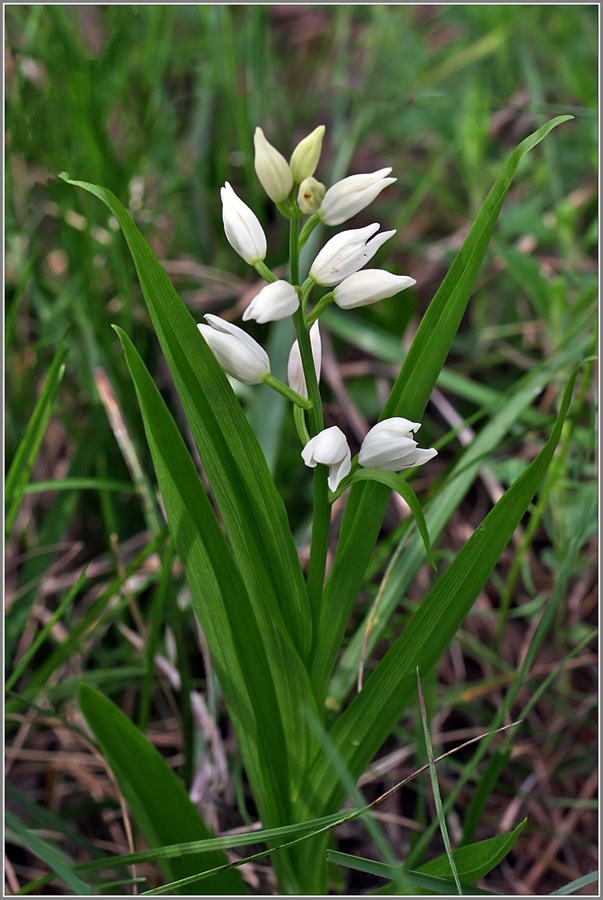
x=389 y=446
x=271 y=168
x=349 y=196
x=345 y=253
x=304 y=158
x=329 y=448
x=237 y=352
x=242 y=227
x=275 y=301
x=295 y=369
x=369 y=286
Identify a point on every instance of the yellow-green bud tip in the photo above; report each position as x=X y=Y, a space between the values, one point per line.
x=304 y=158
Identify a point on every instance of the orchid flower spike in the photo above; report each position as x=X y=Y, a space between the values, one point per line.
x=272 y=168
x=275 y=301
x=389 y=446
x=237 y=352
x=347 y=252
x=350 y=195
x=242 y=227
x=295 y=369
x=369 y=286
x=330 y=448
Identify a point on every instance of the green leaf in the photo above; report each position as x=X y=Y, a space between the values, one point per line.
x=264 y=680
x=474 y=861
x=429 y=883
x=361 y=729
x=437 y=514
x=18 y=474
x=397 y=483
x=252 y=510
x=367 y=503
x=155 y=795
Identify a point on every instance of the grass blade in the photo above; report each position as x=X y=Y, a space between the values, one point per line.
x=436 y=788
x=41 y=637
x=574 y=886
x=55 y=859
x=19 y=471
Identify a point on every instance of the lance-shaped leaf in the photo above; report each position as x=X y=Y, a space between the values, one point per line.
x=252 y=510
x=472 y=862
x=367 y=503
x=361 y=729
x=155 y=795
x=264 y=680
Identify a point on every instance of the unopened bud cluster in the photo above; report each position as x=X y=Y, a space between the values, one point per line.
x=339 y=266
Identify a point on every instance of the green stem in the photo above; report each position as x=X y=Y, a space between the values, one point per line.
x=307 y=230
x=319 y=308
x=306 y=290
x=300 y=425
x=321 y=521
x=321 y=517
x=263 y=270
x=284 y=208
x=287 y=392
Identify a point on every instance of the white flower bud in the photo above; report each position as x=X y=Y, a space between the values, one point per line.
x=389 y=446
x=242 y=227
x=271 y=168
x=345 y=253
x=237 y=352
x=349 y=196
x=275 y=301
x=304 y=158
x=310 y=194
x=329 y=448
x=369 y=286
x=295 y=369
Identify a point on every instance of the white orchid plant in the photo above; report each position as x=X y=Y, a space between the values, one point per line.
x=275 y=632
x=389 y=446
